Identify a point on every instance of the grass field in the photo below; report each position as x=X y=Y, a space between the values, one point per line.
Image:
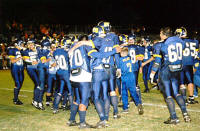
x=27 y=118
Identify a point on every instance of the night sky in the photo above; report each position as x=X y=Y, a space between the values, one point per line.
x=121 y=12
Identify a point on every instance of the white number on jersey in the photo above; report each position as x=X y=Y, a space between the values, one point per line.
x=33 y=56
x=132 y=55
x=62 y=64
x=19 y=62
x=78 y=59
x=107 y=60
x=190 y=49
x=175 y=52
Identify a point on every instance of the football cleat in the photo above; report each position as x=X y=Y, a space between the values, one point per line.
x=146 y=91
x=116 y=116
x=47 y=103
x=55 y=111
x=17 y=102
x=35 y=104
x=192 y=101
x=40 y=106
x=125 y=111
x=186 y=117
x=85 y=125
x=72 y=123
x=140 y=109
x=172 y=121
x=100 y=124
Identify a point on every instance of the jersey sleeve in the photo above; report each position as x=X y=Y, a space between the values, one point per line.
x=96 y=43
x=140 y=51
x=157 y=56
x=11 y=53
x=95 y=54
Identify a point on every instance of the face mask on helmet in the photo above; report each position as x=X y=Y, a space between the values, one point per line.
x=45 y=44
x=105 y=25
x=123 y=39
x=20 y=44
x=181 y=32
x=98 y=31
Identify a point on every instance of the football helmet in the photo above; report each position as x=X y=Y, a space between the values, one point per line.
x=105 y=25
x=181 y=32
x=123 y=39
x=98 y=31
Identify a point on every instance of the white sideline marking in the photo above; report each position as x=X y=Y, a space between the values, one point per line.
x=23 y=95
x=163 y=106
x=146 y=104
x=12 y=90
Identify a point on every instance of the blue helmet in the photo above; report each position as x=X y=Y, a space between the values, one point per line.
x=74 y=38
x=181 y=32
x=19 y=43
x=31 y=41
x=46 y=43
x=131 y=36
x=105 y=25
x=123 y=39
x=98 y=31
x=147 y=39
x=66 y=42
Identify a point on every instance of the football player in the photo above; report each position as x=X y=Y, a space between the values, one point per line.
x=51 y=74
x=30 y=57
x=147 y=56
x=63 y=73
x=110 y=41
x=170 y=59
x=189 y=55
x=17 y=69
x=43 y=54
x=128 y=81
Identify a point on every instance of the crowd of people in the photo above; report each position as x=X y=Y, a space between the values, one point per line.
x=91 y=69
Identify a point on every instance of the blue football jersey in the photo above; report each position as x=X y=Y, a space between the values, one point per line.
x=30 y=56
x=52 y=70
x=190 y=52
x=15 y=53
x=126 y=66
x=62 y=59
x=133 y=52
x=79 y=59
x=171 y=53
x=147 y=53
x=43 y=53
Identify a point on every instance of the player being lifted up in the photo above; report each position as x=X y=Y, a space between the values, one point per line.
x=189 y=56
x=170 y=63
x=110 y=41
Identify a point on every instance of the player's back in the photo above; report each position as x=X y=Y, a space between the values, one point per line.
x=190 y=51
x=80 y=59
x=62 y=59
x=172 y=53
x=126 y=67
